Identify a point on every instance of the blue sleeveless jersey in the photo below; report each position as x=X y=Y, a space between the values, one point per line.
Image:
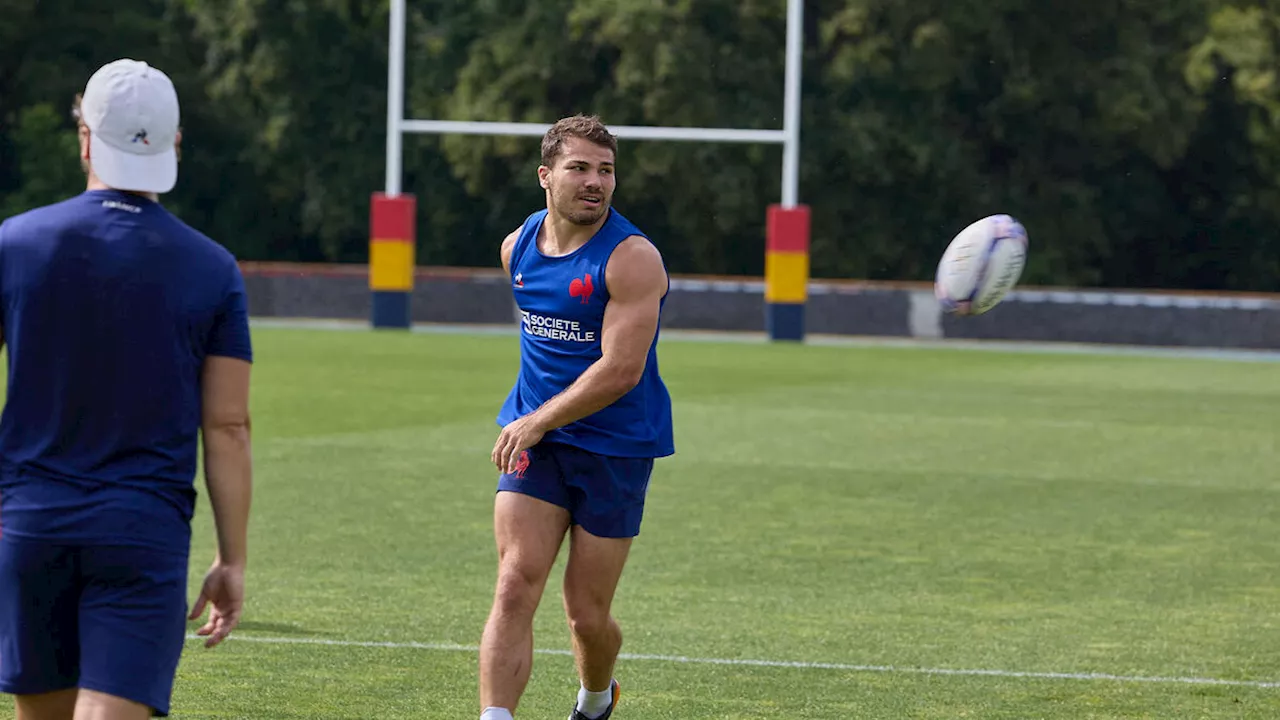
x=561 y=302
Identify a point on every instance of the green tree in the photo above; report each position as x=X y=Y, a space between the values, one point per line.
x=46 y=157
x=1137 y=140
x=1064 y=116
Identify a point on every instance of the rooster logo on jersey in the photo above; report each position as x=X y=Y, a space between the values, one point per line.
x=582 y=288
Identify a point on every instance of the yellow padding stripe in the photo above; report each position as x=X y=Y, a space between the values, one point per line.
x=786 y=277
x=390 y=265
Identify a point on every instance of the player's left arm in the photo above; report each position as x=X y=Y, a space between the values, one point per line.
x=636 y=279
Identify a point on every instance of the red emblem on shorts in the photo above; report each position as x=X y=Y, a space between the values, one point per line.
x=582 y=287
x=522 y=463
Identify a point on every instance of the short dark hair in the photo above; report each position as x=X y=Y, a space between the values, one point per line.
x=587 y=127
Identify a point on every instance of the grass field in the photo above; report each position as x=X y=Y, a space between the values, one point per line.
x=845 y=532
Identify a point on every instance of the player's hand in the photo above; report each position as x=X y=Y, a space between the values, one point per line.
x=515 y=438
x=224 y=590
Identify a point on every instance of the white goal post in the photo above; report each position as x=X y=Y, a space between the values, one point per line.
x=789 y=218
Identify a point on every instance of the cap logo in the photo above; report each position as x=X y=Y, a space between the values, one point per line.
x=141 y=136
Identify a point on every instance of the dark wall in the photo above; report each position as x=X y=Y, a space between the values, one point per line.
x=448 y=295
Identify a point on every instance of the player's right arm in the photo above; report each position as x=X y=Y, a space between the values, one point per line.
x=509 y=244
x=228 y=463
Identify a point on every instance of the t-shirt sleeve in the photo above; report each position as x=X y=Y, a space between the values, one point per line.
x=229 y=336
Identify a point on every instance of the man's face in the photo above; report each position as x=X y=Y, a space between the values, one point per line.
x=581 y=182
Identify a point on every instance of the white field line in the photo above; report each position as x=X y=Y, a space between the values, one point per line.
x=449 y=647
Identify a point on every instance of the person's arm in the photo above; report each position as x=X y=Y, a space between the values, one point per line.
x=228 y=459
x=508 y=244
x=637 y=280
x=228 y=463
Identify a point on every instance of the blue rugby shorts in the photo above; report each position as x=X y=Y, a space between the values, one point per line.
x=106 y=618
x=603 y=494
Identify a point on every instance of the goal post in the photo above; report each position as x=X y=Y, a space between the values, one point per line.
x=392 y=232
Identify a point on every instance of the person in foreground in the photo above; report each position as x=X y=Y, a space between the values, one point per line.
x=127 y=335
x=583 y=424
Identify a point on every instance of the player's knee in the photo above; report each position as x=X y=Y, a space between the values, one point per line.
x=590 y=621
x=519 y=589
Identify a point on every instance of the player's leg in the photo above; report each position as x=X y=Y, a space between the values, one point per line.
x=39 y=653
x=591 y=579
x=605 y=525
x=58 y=705
x=132 y=627
x=530 y=518
x=100 y=706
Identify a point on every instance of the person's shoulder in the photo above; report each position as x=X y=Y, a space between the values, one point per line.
x=509 y=242
x=636 y=267
x=530 y=220
x=638 y=248
x=199 y=241
x=507 y=248
x=631 y=239
x=624 y=226
x=39 y=220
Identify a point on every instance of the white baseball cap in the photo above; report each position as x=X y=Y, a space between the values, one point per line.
x=131 y=110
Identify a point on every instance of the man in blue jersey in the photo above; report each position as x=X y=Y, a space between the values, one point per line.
x=584 y=422
x=128 y=341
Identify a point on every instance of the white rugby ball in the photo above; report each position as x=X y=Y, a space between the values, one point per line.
x=981 y=265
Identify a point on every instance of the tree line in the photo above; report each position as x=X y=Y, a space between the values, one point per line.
x=1138 y=141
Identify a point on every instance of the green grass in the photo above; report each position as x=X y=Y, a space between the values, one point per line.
x=921 y=509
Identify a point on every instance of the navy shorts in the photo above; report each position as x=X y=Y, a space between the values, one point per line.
x=603 y=494
x=105 y=618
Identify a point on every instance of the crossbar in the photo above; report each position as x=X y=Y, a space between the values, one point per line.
x=625 y=132
x=788 y=137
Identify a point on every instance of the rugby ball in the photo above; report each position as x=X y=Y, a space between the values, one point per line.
x=981 y=265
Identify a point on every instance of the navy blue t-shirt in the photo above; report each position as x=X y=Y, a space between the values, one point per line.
x=108 y=307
